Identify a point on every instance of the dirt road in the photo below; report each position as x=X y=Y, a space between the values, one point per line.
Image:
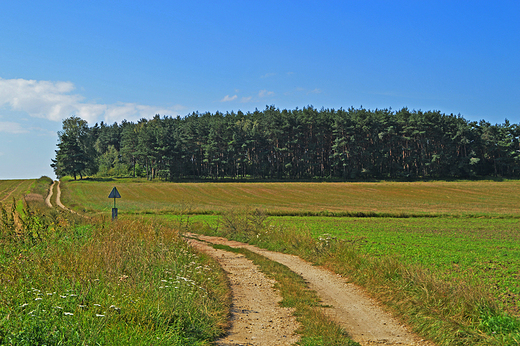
x=49 y=196
x=256 y=317
x=362 y=317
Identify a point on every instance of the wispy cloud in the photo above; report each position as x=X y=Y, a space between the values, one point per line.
x=267 y=75
x=246 y=99
x=228 y=98
x=55 y=101
x=315 y=91
x=11 y=127
x=264 y=93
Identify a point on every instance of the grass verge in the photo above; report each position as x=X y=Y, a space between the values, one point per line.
x=65 y=280
x=316 y=328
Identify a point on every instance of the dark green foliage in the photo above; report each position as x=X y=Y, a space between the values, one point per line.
x=353 y=144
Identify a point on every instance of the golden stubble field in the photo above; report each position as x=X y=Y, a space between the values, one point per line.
x=484 y=198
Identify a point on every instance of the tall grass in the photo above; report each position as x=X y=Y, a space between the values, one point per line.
x=64 y=280
x=449 y=313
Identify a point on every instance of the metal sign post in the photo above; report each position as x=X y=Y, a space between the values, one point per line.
x=114 y=194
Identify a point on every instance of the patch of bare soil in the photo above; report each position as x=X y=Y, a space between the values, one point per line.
x=256 y=317
x=362 y=317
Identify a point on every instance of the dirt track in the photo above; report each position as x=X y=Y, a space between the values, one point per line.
x=362 y=317
x=49 y=196
x=256 y=317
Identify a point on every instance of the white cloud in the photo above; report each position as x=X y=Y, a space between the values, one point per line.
x=315 y=91
x=11 y=127
x=246 y=99
x=54 y=101
x=228 y=98
x=264 y=93
x=267 y=75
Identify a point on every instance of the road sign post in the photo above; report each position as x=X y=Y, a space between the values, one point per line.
x=114 y=194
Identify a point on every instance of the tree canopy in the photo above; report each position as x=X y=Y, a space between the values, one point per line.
x=352 y=144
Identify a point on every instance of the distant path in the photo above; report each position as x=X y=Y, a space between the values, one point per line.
x=58 y=197
x=49 y=196
x=361 y=316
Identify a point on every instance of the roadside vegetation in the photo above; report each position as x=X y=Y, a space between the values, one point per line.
x=68 y=280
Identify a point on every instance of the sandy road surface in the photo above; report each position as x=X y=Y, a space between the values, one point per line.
x=49 y=196
x=256 y=317
x=361 y=316
x=58 y=197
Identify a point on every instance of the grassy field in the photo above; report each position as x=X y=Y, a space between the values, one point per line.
x=490 y=199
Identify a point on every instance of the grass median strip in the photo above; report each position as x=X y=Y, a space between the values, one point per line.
x=316 y=328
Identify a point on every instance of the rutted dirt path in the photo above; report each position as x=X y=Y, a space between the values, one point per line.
x=49 y=196
x=58 y=197
x=256 y=317
x=361 y=316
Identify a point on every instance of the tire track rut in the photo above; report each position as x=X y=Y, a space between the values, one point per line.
x=256 y=317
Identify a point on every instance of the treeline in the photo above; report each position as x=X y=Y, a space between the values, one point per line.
x=292 y=144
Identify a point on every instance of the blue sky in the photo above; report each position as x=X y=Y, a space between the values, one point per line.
x=114 y=60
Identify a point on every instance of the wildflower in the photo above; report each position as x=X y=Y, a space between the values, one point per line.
x=58 y=307
x=63 y=297
x=38 y=298
x=99 y=315
x=24 y=305
x=68 y=314
x=82 y=306
x=115 y=308
x=97 y=305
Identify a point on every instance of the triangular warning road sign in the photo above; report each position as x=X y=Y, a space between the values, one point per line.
x=114 y=193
